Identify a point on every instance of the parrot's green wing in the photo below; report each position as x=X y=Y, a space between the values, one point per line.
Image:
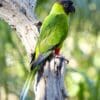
x=53 y=32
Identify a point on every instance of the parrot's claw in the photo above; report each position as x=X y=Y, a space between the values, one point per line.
x=63 y=58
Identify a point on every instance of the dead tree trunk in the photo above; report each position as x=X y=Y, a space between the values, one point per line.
x=49 y=82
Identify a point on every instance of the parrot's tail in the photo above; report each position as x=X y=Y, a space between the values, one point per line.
x=35 y=67
x=27 y=84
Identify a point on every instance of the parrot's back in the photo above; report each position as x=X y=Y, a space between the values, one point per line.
x=52 y=33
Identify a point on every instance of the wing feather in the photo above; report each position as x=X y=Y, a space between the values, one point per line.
x=53 y=31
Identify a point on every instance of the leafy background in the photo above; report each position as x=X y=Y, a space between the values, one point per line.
x=82 y=48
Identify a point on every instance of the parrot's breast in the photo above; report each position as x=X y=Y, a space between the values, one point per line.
x=53 y=32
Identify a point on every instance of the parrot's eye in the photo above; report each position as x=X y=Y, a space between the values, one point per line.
x=68 y=6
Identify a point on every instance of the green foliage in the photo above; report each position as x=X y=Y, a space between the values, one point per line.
x=82 y=48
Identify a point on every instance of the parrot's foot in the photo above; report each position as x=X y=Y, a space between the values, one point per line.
x=62 y=58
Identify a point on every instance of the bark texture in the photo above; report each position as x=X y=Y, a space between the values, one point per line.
x=20 y=15
x=49 y=82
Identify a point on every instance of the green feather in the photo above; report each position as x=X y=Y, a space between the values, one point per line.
x=28 y=83
x=53 y=30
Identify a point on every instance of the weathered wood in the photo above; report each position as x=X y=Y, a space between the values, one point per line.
x=19 y=14
x=49 y=84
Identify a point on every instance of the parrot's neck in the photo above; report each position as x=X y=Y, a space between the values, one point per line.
x=57 y=9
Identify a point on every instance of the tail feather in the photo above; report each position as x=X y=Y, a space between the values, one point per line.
x=27 y=84
x=35 y=67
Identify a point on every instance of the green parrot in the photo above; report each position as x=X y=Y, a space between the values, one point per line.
x=53 y=32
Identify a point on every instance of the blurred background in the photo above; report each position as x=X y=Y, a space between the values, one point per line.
x=81 y=48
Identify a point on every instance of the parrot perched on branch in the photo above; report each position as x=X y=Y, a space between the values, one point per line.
x=53 y=32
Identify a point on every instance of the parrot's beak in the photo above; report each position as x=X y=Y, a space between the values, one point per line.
x=68 y=6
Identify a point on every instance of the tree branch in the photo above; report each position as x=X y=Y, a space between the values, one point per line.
x=19 y=14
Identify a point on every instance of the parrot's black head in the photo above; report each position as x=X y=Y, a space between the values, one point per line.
x=68 y=6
